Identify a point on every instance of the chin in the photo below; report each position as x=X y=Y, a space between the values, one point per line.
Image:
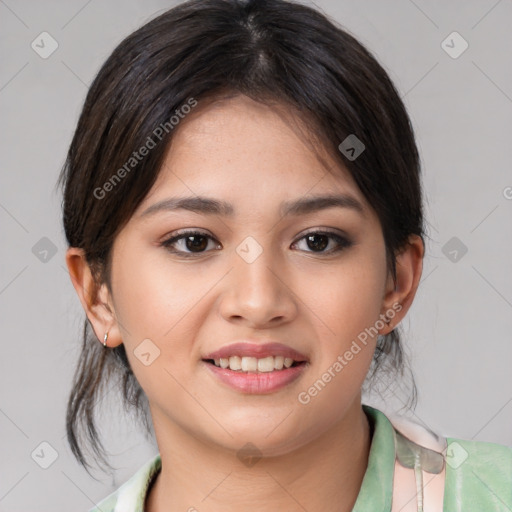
x=270 y=438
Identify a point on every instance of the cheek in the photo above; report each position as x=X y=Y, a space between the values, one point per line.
x=347 y=303
x=151 y=295
x=349 y=299
x=154 y=302
x=346 y=339
x=157 y=300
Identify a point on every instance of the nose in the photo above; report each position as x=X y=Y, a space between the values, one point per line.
x=256 y=292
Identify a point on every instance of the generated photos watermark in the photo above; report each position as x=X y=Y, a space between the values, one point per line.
x=305 y=397
x=137 y=156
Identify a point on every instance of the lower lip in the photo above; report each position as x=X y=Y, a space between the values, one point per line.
x=257 y=383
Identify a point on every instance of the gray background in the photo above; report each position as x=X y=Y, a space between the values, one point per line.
x=458 y=330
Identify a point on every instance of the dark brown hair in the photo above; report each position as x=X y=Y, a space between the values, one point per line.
x=273 y=51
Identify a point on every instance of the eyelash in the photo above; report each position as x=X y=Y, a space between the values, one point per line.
x=343 y=243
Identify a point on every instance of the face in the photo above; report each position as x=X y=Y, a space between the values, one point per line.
x=189 y=282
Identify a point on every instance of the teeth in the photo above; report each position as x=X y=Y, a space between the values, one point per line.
x=235 y=363
x=252 y=364
x=266 y=364
x=249 y=364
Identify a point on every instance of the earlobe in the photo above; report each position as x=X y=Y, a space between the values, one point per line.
x=398 y=298
x=94 y=297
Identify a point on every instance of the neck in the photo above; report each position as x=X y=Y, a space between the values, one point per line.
x=324 y=475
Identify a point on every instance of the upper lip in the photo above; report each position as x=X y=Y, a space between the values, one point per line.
x=257 y=350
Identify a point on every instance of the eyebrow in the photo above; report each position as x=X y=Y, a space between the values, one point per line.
x=210 y=206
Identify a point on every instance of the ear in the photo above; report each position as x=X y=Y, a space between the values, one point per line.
x=95 y=298
x=398 y=299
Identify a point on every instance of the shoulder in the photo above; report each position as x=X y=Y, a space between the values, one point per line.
x=131 y=495
x=478 y=475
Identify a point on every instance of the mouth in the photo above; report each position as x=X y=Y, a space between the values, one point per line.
x=255 y=365
x=255 y=368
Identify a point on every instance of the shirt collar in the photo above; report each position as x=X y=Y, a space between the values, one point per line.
x=377 y=487
x=132 y=494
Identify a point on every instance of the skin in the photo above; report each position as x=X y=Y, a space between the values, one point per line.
x=314 y=456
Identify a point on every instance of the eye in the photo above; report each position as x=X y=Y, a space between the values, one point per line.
x=190 y=243
x=193 y=241
x=319 y=240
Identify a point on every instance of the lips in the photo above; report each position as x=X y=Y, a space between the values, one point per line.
x=257 y=350
x=256 y=368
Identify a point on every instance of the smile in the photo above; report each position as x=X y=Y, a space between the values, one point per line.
x=253 y=364
x=252 y=367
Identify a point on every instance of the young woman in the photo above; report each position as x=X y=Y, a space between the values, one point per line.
x=243 y=207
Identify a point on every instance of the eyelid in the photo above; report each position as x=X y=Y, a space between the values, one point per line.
x=328 y=231
x=186 y=231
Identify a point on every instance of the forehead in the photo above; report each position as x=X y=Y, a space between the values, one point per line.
x=239 y=146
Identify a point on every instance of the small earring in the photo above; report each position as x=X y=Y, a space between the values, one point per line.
x=105 y=339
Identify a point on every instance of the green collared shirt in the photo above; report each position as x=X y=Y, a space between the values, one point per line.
x=479 y=477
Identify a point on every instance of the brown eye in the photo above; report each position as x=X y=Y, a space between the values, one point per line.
x=318 y=241
x=196 y=243
x=188 y=243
